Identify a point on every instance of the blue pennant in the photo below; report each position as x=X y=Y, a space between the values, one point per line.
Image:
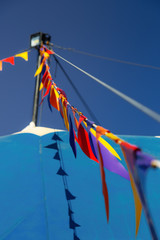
x=62 y=172
x=56 y=156
x=73 y=224
x=52 y=146
x=56 y=137
x=75 y=237
x=44 y=67
x=92 y=145
x=72 y=138
x=69 y=196
x=49 y=105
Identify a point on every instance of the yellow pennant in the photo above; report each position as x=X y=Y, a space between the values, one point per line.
x=23 y=55
x=46 y=55
x=39 y=70
x=56 y=93
x=41 y=86
x=106 y=144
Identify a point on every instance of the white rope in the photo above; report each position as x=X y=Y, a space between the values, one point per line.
x=130 y=100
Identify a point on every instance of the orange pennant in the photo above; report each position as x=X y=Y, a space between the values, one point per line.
x=137 y=202
x=75 y=120
x=0 y=65
x=100 y=131
x=54 y=98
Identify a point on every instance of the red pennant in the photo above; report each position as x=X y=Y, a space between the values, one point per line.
x=47 y=92
x=45 y=79
x=99 y=132
x=104 y=185
x=81 y=119
x=83 y=141
x=9 y=60
x=49 y=51
x=62 y=92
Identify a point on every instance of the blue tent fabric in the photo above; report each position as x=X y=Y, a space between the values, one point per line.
x=33 y=200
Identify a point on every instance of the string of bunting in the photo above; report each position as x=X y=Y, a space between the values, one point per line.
x=62 y=172
x=89 y=138
x=11 y=59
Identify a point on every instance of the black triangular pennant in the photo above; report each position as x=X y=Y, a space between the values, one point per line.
x=56 y=137
x=69 y=196
x=75 y=237
x=52 y=146
x=62 y=172
x=56 y=156
x=73 y=224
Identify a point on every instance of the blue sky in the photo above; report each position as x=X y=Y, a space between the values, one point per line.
x=125 y=30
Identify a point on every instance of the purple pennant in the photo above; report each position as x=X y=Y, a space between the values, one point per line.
x=56 y=156
x=56 y=137
x=109 y=160
x=61 y=172
x=69 y=196
x=71 y=137
x=142 y=163
x=138 y=163
x=143 y=160
x=89 y=124
x=52 y=146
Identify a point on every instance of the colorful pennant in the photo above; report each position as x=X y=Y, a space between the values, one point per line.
x=104 y=185
x=11 y=60
x=23 y=55
x=99 y=150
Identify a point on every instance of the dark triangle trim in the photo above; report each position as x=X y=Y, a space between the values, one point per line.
x=62 y=172
x=56 y=137
x=73 y=224
x=69 y=196
x=56 y=156
x=75 y=237
x=52 y=146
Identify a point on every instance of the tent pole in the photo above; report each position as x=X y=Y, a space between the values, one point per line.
x=36 y=92
x=36 y=41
